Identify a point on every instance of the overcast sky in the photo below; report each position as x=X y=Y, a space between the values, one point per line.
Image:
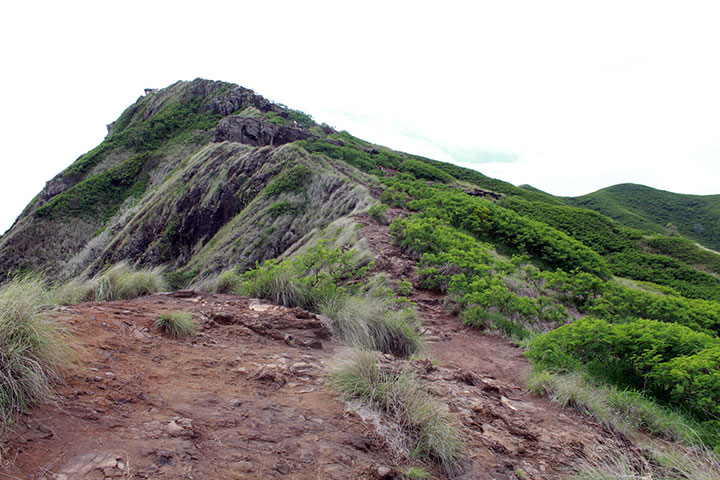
x=568 y=96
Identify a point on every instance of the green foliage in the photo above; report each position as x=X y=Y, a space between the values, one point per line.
x=306 y=281
x=415 y=472
x=100 y=196
x=173 y=122
x=301 y=118
x=377 y=213
x=592 y=229
x=677 y=365
x=404 y=288
x=177 y=324
x=34 y=350
x=646 y=208
x=278 y=209
x=275 y=119
x=665 y=270
x=394 y=197
x=292 y=180
x=399 y=394
x=348 y=153
x=685 y=250
x=485 y=219
x=425 y=171
x=180 y=279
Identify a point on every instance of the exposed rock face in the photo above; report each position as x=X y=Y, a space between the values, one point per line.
x=55 y=186
x=256 y=132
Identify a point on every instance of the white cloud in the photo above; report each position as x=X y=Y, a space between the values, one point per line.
x=583 y=95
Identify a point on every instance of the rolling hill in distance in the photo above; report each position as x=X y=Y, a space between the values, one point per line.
x=260 y=295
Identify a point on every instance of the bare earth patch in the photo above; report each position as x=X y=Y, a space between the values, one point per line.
x=243 y=399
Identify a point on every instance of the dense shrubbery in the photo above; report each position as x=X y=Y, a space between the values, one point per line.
x=664 y=270
x=685 y=250
x=100 y=196
x=621 y=246
x=486 y=219
x=677 y=364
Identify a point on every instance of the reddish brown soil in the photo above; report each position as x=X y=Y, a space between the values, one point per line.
x=242 y=400
x=245 y=398
x=511 y=433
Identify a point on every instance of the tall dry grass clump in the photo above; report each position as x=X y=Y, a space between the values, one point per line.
x=34 y=350
x=119 y=282
x=428 y=426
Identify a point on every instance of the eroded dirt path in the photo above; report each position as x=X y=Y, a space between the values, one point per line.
x=243 y=399
x=511 y=433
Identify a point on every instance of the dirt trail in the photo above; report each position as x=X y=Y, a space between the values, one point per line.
x=244 y=399
x=511 y=433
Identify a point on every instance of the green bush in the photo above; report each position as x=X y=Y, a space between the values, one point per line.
x=677 y=365
x=291 y=180
x=177 y=324
x=377 y=213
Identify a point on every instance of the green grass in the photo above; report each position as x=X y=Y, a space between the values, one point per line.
x=177 y=324
x=226 y=282
x=429 y=429
x=119 y=282
x=626 y=411
x=646 y=208
x=666 y=462
x=414 y=473
x=34 y=349
x=375 y=323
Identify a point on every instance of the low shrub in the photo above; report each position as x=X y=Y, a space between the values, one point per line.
x=177 y=324
x=377 y=213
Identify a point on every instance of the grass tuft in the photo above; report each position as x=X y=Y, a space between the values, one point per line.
x=626 y=411
x=34 y=350
x=375 y=323
x=429 y=428
x=119 y=282
x=177 y=324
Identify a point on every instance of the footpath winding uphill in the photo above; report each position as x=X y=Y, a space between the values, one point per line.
x=510 y=432
x=245 y=398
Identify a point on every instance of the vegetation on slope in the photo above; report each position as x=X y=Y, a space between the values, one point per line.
x=638 y=206
x=663 y=345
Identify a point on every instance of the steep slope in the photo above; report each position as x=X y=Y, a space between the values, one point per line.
x=176 y=168
x=645 y=208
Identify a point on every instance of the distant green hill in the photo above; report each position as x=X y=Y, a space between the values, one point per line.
x=645 y=208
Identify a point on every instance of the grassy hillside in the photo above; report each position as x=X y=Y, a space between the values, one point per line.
x=638 y=206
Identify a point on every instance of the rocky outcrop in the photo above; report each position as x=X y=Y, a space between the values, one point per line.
x=256 y=132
